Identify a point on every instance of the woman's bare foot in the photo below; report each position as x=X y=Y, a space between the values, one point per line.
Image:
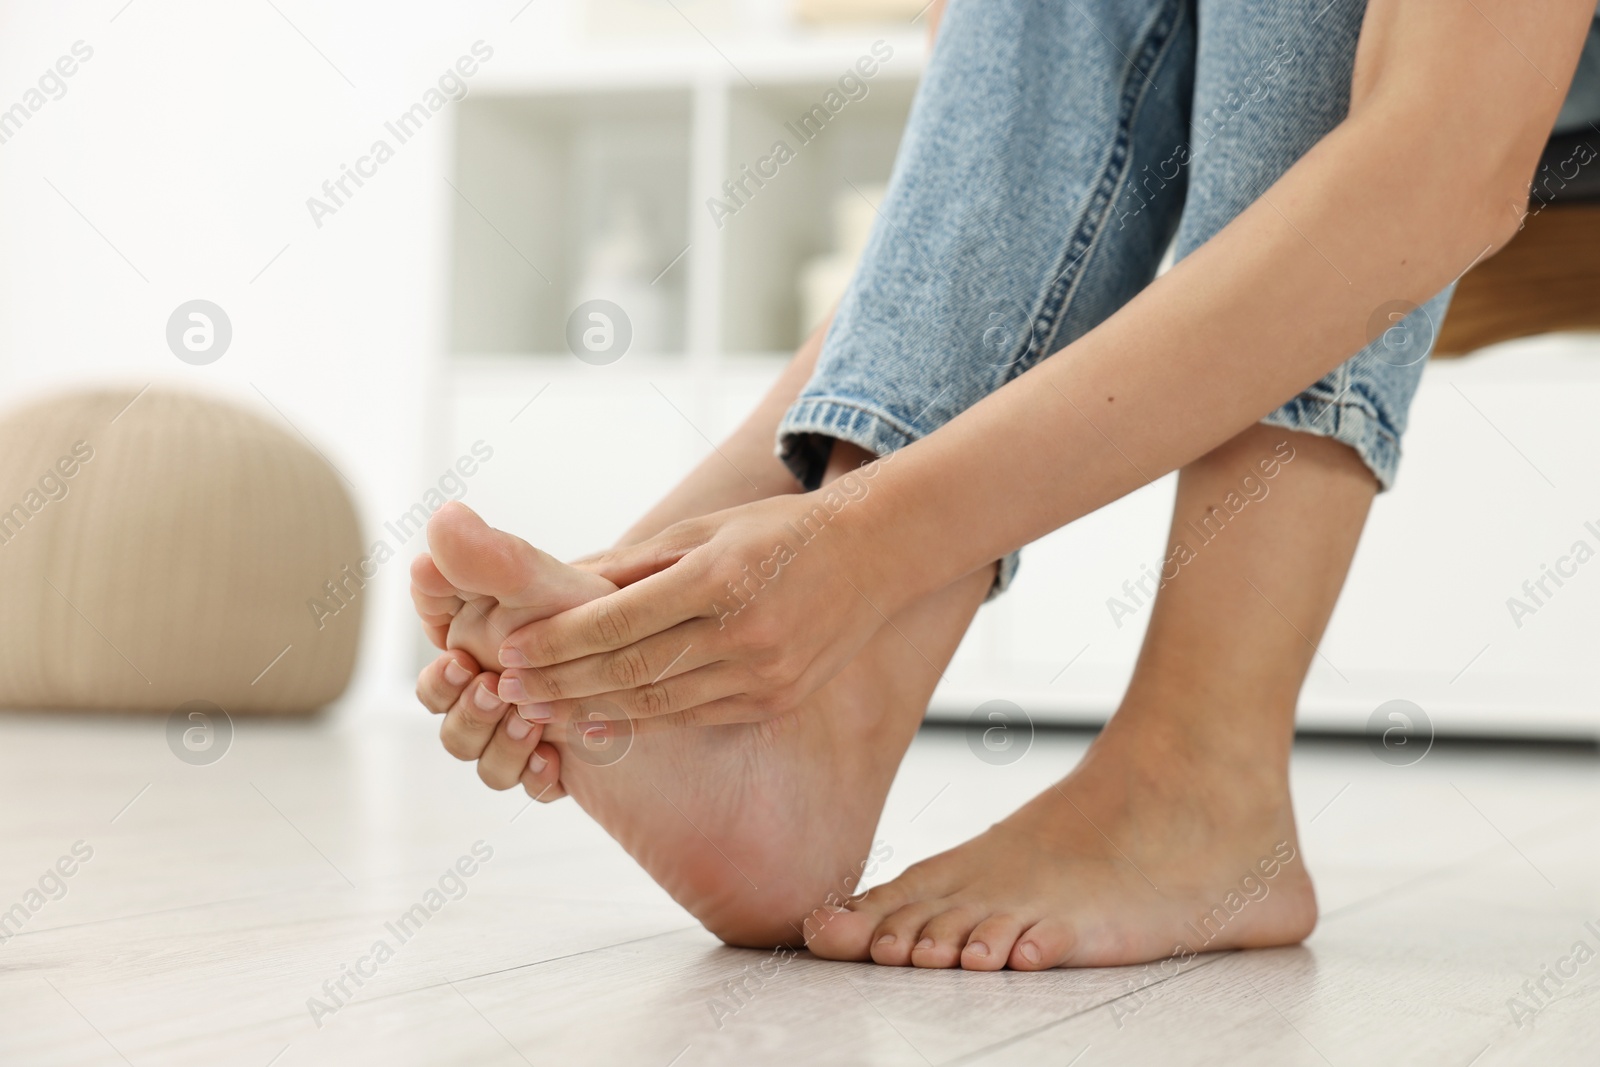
x=751 y=828
x=1175 y=833
x=1152 y=847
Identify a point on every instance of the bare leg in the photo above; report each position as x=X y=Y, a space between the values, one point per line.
x=1175 y=834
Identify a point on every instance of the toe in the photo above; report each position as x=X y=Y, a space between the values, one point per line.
x=434 y=598
x=841 y=934
x=441 y=682
x=896 y=937
x=990 y=943
x=506 y=758
x=473 y=556
x=1045 y=944
x=943 y=938
x=471 y=722
x=542 y=777
x=473 y=631
x=428 y=583
x=847 y=933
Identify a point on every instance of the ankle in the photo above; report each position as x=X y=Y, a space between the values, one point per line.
x=844 y=458
x=1243 y=750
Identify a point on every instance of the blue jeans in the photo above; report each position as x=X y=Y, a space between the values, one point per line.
x=1055 y=150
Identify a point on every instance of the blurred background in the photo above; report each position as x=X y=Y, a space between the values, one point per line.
x=405 y=211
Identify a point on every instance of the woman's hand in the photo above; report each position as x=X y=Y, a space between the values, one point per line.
x=733 y=617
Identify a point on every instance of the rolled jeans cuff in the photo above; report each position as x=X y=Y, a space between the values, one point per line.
x=1349 y=423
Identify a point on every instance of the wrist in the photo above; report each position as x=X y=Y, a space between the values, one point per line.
x=880 y=550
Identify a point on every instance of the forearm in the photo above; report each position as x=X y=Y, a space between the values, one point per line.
x=1274 y=302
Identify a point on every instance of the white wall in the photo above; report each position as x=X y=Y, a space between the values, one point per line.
x=190 y=141
x=193 y=137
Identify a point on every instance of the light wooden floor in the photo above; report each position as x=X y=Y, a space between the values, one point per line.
x=219 y=899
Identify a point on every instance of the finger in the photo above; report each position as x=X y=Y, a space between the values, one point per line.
x=725 y=712
x=506 y=757
x=627 y=564
x=542 y=776
x=648 y=607
x=702 y=686
x=665 y=655
x=440 y=684
x=471 y=721
x=435 y=599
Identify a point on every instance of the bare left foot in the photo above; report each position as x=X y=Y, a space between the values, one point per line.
x=1154 y=846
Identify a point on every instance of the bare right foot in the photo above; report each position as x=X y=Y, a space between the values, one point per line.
x=753 y=827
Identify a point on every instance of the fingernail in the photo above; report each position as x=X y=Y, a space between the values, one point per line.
x=518 y=728
x=886 y=939
x=926 y=942
x=979 y=949
x=537 y=763
x=1030 y=951
x=485 y=698
x=535 y=712
x=456 y=674
x=511 y=689
x=511 y=657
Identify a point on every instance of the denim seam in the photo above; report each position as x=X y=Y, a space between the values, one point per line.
x=1055 y=301
x=843 y=419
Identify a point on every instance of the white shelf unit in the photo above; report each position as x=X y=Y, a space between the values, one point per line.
x=1498 y=478
x=535 y=173
x=542 y=154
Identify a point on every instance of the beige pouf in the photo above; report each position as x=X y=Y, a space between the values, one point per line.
x=160 y=547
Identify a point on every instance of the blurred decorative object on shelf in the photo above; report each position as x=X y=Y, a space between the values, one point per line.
x=824 y=279
x=818 y=12
x=588 y=192
x=158 y=548
x=619 y=264
x=1546 y=279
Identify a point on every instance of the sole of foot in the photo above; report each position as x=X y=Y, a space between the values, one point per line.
x=752 y=828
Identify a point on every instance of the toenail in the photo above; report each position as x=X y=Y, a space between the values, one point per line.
x=979 y=949
x=886 y=939
x=511 y=657
x=535 y=712
x=518 y=728
x=485 y=698
x=456 y=674
x=926 y=942
x=537 y=763
x=511 y=689
x=1030 y=951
